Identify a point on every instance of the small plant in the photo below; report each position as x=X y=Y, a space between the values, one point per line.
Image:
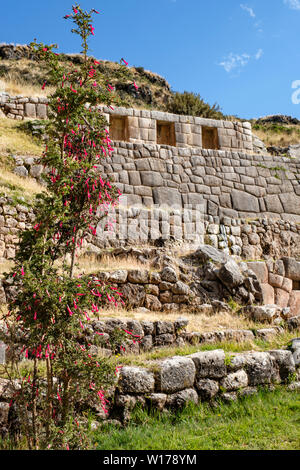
x=235 y=306
x=292 y=377
x=228 y=359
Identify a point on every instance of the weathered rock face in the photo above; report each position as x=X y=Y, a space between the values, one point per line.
x=230 y=275
x=175 y=374
x=209 y=364
x=207 y=388
x=136 y=380
x=292 y=268
x=285 y=363
x=235 y=381
x=260 y=367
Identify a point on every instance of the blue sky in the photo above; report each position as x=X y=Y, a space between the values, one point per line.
x=244 y=55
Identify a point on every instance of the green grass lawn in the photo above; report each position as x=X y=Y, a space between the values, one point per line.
x=266 y=421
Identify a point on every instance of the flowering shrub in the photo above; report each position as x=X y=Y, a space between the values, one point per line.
x=51 y=305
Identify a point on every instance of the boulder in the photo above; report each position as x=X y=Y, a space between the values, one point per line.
x=135 y=328
x=207 y=388
x=157 y=401
x=180 y=288
x=292 y=268
x=209 y=364
x=152 y=303
x=138 y=276
x=293 y=323
x=230 y=275
x=285 y=363
x=234 y=381
x=260 y=270
x=281 y=297
x=120 y=276
x=268 y=294
x=208 y=253
x=260 y=367
x=182 y=398
x=133 y=294
x=169 y=275
x=136 y=380
x=294 y=302
x=176 y=374
x=163 y=327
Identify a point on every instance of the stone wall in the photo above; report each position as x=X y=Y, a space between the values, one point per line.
x=183 y=194
x=173 y=382
x=142 y=126
x=107 y=336
x=202 y=376
x=280 y=282
x=20 y=107
x=14 y=217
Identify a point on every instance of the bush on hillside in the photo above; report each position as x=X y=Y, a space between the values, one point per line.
x=191 y=104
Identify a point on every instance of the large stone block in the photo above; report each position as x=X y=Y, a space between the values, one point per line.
x=244 y=202
x=230 y=275
x=235 y=381
x=281 y=297
x=30 y=110
x=167 y=197
x=260 y=367
x=182 y=398
x=260 y=270
x=151 y=178
x=268 y=294
x=292 y=268
x=136 y=380
x=294 y=303
x=176 y=374
x=207 y=388
x=291 y=203
x=209 y=364
x=285 y=363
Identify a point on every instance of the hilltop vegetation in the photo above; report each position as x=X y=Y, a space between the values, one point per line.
x=20 y=73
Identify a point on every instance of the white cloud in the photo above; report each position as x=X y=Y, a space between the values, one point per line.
x=259 y=54
x=237 y=61
x=233 y=61
x=248 y=10
x=293 y=4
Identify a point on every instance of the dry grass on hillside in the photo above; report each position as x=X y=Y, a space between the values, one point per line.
x=14 y=185
x=13 y=140
x=279 y=136
x=92 y=264
x=17 y=86
x=197 y=322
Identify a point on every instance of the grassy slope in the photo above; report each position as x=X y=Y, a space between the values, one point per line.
x=15 y=141
x=267 y=421
x=26 y=77
x=280 y=135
